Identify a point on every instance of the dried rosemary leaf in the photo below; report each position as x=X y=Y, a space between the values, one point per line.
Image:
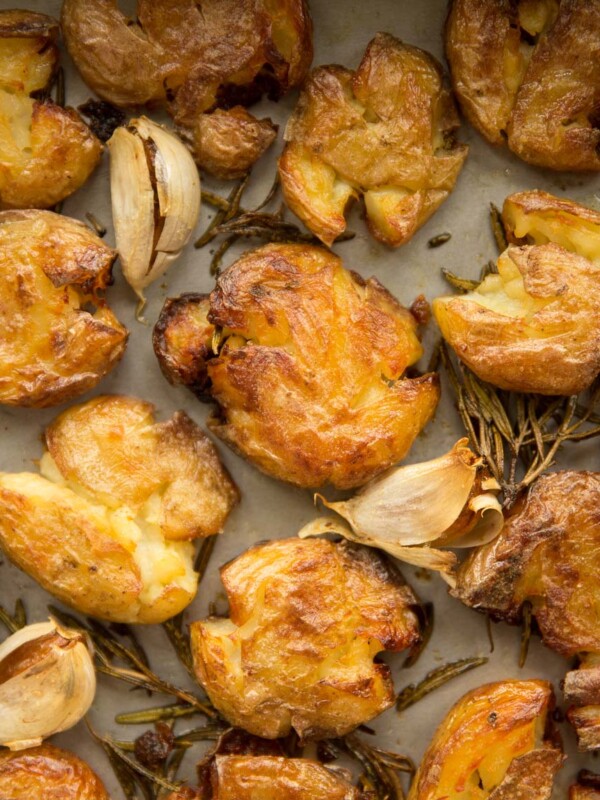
x=461 y=284
x=180 y=642
x=434 y=679
x=490 y=632
x=498 y=228
x=60 y=88
x=380 y=767
x=439 y=240
x=15 y=622
x=525 y=634
x=426 y=618
x=150 y=715
x=97 y=226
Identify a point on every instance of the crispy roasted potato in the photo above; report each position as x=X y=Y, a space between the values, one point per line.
x=46 y=151
x=307 y=617
x=308 y=375
x=107 y=524
x=527 y=74
x=494 y=743
x=582 y=691
x=385 y=131
x=58 y=338
x=48 y=772
x=547 y=555
x=533 y=327
x=588 y=787
x=195 y=61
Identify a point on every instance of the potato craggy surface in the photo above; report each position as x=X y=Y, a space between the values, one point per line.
x=105 y=527
x=307 y=618
x=527 y=74
x=309 y=371
x=53 y=346
x=385 y=131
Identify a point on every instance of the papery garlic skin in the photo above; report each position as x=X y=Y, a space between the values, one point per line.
x=155 y=191
x=47 y=683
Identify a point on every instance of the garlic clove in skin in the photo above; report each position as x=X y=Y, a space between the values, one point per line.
x=47 y=683
x=442 y=502
x=155 y=192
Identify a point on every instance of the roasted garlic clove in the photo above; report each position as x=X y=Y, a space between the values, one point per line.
x=155 y=190
x=446 y=501
x=47 y=683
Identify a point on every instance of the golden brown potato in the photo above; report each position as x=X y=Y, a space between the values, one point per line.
x=588 y=787
x=107 y=524
x=494 y=743
x=532 y=327
x=547 y=554
x=582 y=691
x=46 y=151
x=195 y=61
x=48 y=772
x=316 y=613
x=308 y=374
x=58 y=338
x=385 y=131
x=527 y=74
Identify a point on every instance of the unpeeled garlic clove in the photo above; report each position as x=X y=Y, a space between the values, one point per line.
x=155 y=192
x=440 y=502
x=47 y=683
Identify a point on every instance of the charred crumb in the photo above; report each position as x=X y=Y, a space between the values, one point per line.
x=103 y=118
x=439 y=240
x=153 y=748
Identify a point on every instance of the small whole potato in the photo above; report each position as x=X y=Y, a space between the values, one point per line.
x=494 y=743
x=385 y=131
x=548 y=555
x=307 y=618
x=46 y=151
x=107 y=525
x=58 y=338
x=527 y=74
x=533 y=326
x=305 y=361
x=202 y=63
x=48 y=772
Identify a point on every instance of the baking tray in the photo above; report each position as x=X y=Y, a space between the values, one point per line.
x=270 y=509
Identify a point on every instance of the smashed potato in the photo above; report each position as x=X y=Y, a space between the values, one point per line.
x=527 y=74
x=588 y=788
x=582 y=691
x=547 y=555
x=58 y=338
x=200 y=61
x=107 y=524
x=532 y=327
x=48 y=772
x=385 y=132
x=308 y=375
x=317 y=613
x=46 y=151
x=494 y=743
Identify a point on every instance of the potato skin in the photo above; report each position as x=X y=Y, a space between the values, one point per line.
x=488 y=742
x=385 y=131
x=233 y=52
x=49 y=152
x=547 y=553
x=540 y=97
x=582 y=692
x=316 y=612
x=50 y=349
x=551 y=344
x=298 y=379
x=116 y=464
x=48 y=772
x=583 y=792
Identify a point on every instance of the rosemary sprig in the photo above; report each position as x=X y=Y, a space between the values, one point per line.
x=525 y=633
x=434 y=679
x=461 y=284
x=150 y=715
x=426 y=615
x=380 y=767
x=498 y=228
x=17 y=620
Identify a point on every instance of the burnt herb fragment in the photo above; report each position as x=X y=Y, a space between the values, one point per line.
x=102 y=117
x=153 y=748
x=439 y=240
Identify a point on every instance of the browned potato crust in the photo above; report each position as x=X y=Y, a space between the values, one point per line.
x=581 y=791
x=194 y=61
x=104 y=527
x=582 y=691
x=492 y=744
x=316 y=613
x=48 y=772
x=385 y=131
x=308 y=375
x=532 y=328
x=527 y=73
x=547 y=554
x=46 y=151
x=51 y=348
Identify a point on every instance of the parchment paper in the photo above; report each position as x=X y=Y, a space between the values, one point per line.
x=272 y=510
